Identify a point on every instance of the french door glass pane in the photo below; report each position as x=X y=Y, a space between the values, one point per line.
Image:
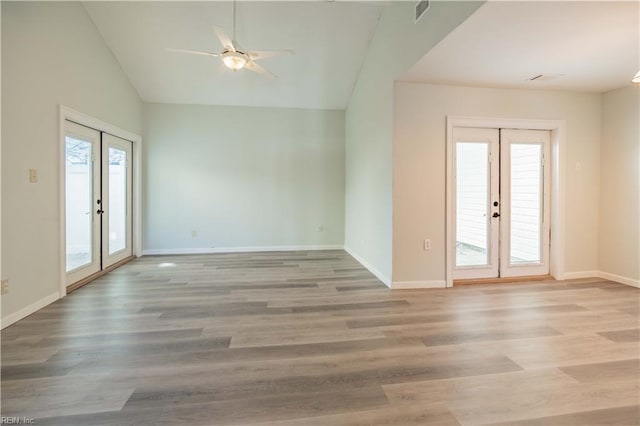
x=117 y=199
x=472 y=192
x=79 y=202
x=526 y=203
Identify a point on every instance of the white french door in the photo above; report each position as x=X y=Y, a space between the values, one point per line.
x=525 y=202
x=501 y=202
x=477 y=165
x=98 y=201
x=82 y=195
x=117 y=191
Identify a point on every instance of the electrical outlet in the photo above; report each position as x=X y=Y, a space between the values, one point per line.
x=5 y=286
x=426 y=245
x=194 y=234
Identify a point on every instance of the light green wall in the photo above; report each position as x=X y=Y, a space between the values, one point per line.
x=242 y=177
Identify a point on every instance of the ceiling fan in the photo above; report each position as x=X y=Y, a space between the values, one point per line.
x=234 y=56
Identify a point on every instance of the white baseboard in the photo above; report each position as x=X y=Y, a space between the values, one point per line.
x=604 y=275
x=28 y=310
x=406 y=285
x=379 y=275
x=213 y=250
x=580 y=274
x=619 y=279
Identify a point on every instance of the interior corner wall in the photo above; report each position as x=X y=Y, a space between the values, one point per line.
x=396 y=45
x=420 y=161
x=219 y=178
x=619 y=254
x=51 y=54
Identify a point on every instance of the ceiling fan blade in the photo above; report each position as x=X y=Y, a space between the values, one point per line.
x=263 y=54
x=192 y=52
x=225 y=41
x=237 y=46
x=259 y=69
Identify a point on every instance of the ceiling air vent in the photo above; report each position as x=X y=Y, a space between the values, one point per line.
x=544 y=77
x=421 y=8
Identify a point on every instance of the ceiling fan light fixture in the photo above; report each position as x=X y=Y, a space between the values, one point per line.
x=636 y=79
x=234 y=60
x=233 y=55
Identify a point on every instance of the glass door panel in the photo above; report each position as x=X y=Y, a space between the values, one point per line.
x=79 y=202
x=117 y=200
x=472 y=200
x=526 y=203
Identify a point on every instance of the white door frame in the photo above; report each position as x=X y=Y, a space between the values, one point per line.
x=66 y=113
x=557 y=129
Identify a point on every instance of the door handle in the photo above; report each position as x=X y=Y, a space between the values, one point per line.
x=496 y=214
x=100 y=211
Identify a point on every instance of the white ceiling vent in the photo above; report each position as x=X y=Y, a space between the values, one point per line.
x=421 y=9
x=544 y=77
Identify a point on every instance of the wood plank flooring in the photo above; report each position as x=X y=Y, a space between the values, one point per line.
x=312 y=338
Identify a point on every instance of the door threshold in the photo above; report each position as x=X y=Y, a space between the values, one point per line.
x=503 y=280
x=87 y=280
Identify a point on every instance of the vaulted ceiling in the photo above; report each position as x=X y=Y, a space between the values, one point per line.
x=330 y=40
x=574 y=45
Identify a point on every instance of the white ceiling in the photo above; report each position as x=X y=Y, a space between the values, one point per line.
x=586 y=46
x=330 y=40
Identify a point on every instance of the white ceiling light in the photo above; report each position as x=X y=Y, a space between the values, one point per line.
x=636 y=79
x=234 y=60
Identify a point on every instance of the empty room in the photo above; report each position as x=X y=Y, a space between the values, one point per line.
x=320 y=213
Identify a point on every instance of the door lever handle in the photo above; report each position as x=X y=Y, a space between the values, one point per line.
x=496 y=214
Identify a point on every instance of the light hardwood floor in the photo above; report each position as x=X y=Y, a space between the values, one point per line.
x=312 y=338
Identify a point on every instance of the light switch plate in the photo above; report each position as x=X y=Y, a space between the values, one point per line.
x=33 y=175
